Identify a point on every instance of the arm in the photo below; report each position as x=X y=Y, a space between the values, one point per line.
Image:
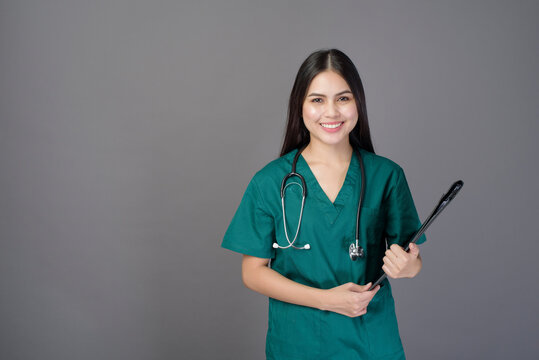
x=402 y=223
x=349 y=299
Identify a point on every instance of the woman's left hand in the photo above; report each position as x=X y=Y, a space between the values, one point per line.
x=401 y=264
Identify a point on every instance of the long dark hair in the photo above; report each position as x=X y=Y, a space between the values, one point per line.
x=297 y=134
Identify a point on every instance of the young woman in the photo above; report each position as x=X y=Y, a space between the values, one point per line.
x=302 y=252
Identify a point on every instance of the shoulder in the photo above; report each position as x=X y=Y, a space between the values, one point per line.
x=274 y=171
x=381 y=165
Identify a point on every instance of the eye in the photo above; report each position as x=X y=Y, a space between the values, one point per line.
x=316 y=100
x=344 y=98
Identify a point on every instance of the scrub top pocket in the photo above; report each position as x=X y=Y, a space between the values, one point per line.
x=372 y=225
x=381 y=326
x=293 y=331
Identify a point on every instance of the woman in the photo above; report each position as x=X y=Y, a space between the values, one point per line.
x=317 y=309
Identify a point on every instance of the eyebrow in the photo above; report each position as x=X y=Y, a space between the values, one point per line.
x=322 y=95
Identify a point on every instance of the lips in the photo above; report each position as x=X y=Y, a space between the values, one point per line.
x=332 y=126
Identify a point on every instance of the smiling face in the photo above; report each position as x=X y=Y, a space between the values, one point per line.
x=329 y=109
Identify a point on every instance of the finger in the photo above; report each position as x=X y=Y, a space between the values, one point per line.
x=398 y=250
x=359 y=312
x=365 y=287
x=389 y=272
x=363 y=312
x=356 y=287
x=414 y=250
x=393 y=255
x=394 y=264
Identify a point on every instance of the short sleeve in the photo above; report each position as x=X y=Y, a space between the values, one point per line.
x=251 y=231
x=402 y=219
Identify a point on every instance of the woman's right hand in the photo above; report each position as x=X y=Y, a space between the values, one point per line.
x=349 y=299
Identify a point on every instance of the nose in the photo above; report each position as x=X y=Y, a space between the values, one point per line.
x=331 y=109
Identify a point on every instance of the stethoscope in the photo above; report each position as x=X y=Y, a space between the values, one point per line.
x=355 y=250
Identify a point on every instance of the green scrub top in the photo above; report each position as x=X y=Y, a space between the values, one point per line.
x=388 y=216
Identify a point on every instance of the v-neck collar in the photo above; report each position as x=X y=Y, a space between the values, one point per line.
x=330 y=209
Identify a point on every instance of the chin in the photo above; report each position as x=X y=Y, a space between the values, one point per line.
x=333 y=141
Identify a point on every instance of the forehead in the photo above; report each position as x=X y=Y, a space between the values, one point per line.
x=328 y=82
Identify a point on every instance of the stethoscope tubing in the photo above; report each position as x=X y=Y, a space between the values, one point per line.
x=291 y=243
x=356 y=251
x=442 y=204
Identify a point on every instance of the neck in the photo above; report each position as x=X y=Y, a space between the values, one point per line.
x=328 y=153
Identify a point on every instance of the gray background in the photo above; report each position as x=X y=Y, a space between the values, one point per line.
x=130 y=129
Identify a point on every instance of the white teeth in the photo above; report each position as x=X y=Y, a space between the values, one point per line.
x=331 y=126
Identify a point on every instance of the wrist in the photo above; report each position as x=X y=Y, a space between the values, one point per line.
x=322 y=302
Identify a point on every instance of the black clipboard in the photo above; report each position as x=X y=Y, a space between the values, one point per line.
x=446 y=199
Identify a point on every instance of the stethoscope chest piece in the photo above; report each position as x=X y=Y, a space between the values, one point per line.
x=356 y=252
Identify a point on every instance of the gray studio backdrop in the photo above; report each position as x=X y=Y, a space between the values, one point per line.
x=130 y=129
